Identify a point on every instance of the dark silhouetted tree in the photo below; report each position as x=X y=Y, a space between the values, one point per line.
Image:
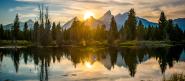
x=129 y=30
x=1 y=32
x=16 y=28
x=162 y=26
x=140 y=32
x=26 y=31
x=36 y=33
x=113 y=32
x=59 y=35
x=54 y=31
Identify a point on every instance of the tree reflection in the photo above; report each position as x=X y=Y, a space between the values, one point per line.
x=109 y=57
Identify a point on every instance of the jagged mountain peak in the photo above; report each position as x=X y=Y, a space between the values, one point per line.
x=120 y=21
x=108 y=13
x=68 y=24
x=106 y=19
x=180 y=22
x=91 y=18
x=29 y=22
x=76 y=19
x=92 y=22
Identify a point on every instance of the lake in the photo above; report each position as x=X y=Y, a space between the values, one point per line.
x=91 y=63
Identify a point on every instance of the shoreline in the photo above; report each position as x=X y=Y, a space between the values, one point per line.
x=134 y=43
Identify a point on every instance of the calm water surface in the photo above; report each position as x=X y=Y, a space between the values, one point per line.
x=91 y=64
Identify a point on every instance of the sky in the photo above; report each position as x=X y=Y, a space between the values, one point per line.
x=64 y=10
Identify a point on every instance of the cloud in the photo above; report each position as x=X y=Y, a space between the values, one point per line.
x=144 y=8
x=109 y=2
x=22 y=8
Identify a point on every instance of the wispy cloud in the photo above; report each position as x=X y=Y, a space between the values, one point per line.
x=63 y=10
x=22 y=8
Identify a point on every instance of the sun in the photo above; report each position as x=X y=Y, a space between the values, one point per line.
x=88 y=14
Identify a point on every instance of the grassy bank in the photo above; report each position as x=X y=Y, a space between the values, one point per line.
x=117 y=43
x=133 y=43
x=146 y=43
x=19 y=43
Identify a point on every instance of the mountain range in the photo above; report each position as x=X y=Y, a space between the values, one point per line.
x=105 y=20
x=30 y=24
x=120 y=20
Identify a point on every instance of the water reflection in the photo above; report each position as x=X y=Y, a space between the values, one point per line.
x=108 y=57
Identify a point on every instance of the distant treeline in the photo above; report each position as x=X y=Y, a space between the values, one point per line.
x=46 y=33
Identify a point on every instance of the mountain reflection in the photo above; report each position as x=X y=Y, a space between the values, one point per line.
x=109 y=57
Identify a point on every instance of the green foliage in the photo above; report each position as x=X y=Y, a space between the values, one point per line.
x=1 y=32
x=47 y=32
x=54 y=31
x=113 y=32
x=140 y=31
x=177 y=34
x=129 y=30
x=15 y=28
x=19 y=43
x=36 y=33
x=100 y=34
x=26 y=32
x=59 y=35
x=75 y=30
x=163 y=26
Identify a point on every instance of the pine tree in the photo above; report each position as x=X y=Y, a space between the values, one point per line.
x=129 y=30
x=100 y=33
x=26 y=31
x=124 y=32
x=97 y=34
x=170 y=30
x=74 y=30
x=154 y=33
x=36 y=33
x=140 y=32
x=1 y=32
x=42 y=34
x=16 y=28
x=103 y=33
x=178 y=33
x=148 y=33
x=54 y=31
x=113 y=32
x=48 y=37
x=59 y=35
x=162 y=26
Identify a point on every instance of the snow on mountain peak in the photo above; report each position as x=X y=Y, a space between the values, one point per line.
x=108 y=13
x=120 y=19
x=70 y=22
x=106 y=19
